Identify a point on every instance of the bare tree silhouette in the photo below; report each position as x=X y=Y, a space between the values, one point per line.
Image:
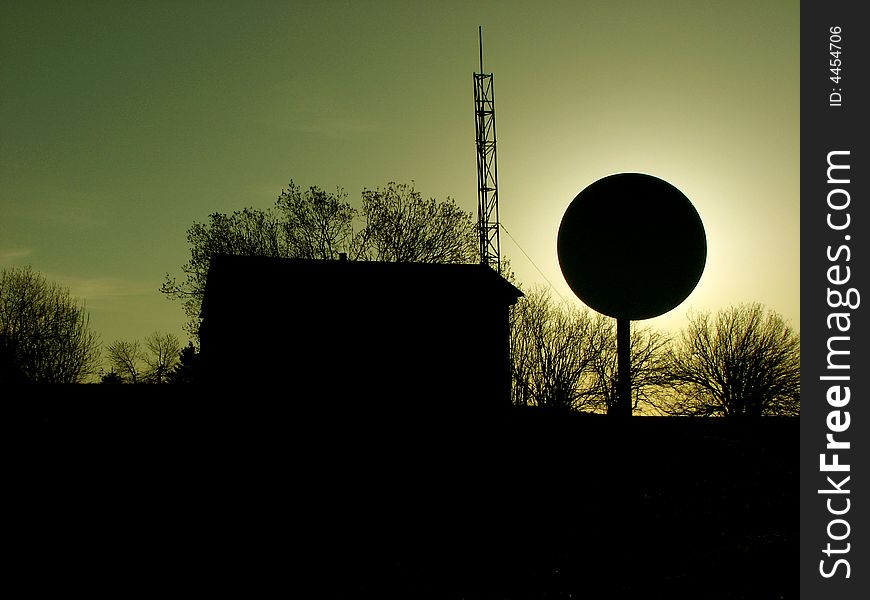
x=126 y=359
x=742 y=362
x=314 y=223
x=650 y=377
x=402 y=226
x=159 y=356
x=564 y=356
x=45 y=335
x=163 y=354
x=552 y=348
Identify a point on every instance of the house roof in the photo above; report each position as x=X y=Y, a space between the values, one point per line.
x=232 y=276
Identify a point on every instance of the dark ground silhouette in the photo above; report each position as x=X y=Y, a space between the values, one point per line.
x=248 y=494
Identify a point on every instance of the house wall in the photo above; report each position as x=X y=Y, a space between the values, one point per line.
x=385 y=349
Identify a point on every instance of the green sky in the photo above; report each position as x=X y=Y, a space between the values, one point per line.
x=121 y=123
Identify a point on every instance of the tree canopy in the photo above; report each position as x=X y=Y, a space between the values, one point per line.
x=45 y=334
x=393 y=224
x=742 y=362
x=565 y=357
x=160 y=356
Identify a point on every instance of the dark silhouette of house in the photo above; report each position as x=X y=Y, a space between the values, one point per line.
x=339 y=331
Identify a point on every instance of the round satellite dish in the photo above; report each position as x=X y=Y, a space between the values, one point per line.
x=632 y=246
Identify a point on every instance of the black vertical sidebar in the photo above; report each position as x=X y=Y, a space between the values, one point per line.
x=835 y=301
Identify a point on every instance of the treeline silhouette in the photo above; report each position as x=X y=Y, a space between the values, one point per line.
x=740 y=362
x=161 y=360
x=743 y=361
x=45 y=334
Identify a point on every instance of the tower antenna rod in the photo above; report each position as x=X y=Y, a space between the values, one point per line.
x=480 y=44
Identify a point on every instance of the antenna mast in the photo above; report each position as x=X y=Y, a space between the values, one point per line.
x=487 y=170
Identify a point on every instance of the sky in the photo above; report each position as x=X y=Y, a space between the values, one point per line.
x=122 y=123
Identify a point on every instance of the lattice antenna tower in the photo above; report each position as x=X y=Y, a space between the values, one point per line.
x=487 y=169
